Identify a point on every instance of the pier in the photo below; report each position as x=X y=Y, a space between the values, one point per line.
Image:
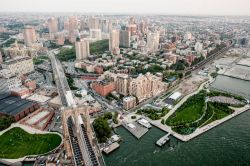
x=135 y=129
x=111 y=148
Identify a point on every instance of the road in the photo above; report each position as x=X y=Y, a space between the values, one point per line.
x=61 y=82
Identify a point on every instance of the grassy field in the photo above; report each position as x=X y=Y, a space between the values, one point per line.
x=190 y=111
x=17 y=143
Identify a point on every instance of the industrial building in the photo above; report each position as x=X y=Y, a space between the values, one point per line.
x=16 y=107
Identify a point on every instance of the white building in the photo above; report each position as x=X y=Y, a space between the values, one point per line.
x=20 y=66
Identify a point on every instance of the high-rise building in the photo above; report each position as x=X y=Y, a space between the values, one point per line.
x=73 y=24
x=104 y=25
x=53 y=25
x=122 y=82
x=143 y=27
x=82 y=49
x=96 y=34
x=132 y=28
x=125 y=38
x=94 y=23
x=29 y=35
x=153 y=41
x=114 y=41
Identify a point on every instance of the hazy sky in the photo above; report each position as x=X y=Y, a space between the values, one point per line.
x=204 y=7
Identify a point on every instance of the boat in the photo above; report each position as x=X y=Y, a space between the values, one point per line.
x=163 y=140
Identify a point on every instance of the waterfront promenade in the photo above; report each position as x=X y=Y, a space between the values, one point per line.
x=198 y=131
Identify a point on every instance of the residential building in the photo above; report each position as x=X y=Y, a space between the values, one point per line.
x=9 y=81
x=153 y=41
x=82 y=49
x=20 y=66
x=53 y=25
x=114 y=41
x=29 y=35
x=104 y=87
x=122 y=83
x=96 y=34
x=94 y=23
x=125 y=38
x=129 y=102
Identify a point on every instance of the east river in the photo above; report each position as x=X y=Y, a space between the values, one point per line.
x=225 y=145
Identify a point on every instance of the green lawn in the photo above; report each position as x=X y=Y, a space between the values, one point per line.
x=17 y=143
x=190 y=111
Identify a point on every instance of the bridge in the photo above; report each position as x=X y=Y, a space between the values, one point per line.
x=75 y=132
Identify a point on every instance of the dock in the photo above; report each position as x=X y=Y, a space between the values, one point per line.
x=163 y=140
x=111 y=148
x=135 y=129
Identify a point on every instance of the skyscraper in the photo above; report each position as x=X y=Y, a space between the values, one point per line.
x=82 y=49
x=29 y=35
x=114 y=41
x=53 y=25
x=125 y=38
x=153 y=40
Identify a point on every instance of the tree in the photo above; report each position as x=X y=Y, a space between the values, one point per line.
x=5 y=122
x=108 y=115
x=102 y=129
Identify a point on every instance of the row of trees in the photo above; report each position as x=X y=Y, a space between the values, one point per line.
x=153 y=113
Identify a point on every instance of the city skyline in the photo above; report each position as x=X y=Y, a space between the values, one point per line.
x=188 y=7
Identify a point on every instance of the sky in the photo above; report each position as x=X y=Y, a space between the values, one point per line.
x=181 y=7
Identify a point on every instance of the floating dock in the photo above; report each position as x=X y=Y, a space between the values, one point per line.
x=163 y=140
x=111 y=148
x=135 y=129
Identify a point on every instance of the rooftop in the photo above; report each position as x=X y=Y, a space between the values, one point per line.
x=11 y=105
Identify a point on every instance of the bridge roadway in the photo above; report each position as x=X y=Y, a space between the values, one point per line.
x=83 y=155
x=61 y=82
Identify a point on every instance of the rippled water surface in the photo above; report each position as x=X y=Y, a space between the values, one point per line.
x=225 y=145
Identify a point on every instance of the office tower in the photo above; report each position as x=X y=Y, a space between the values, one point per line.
x=29 y=35
x=125 y=38
x=114 y=41
x=53 y=25
x=82 y=49
x=94 y=23
x=96 y=34
x=153 y=41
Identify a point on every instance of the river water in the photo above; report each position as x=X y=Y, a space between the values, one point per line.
x=232 y=85
x=225 y=145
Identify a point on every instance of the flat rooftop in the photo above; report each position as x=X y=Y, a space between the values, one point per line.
x=11 y=105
